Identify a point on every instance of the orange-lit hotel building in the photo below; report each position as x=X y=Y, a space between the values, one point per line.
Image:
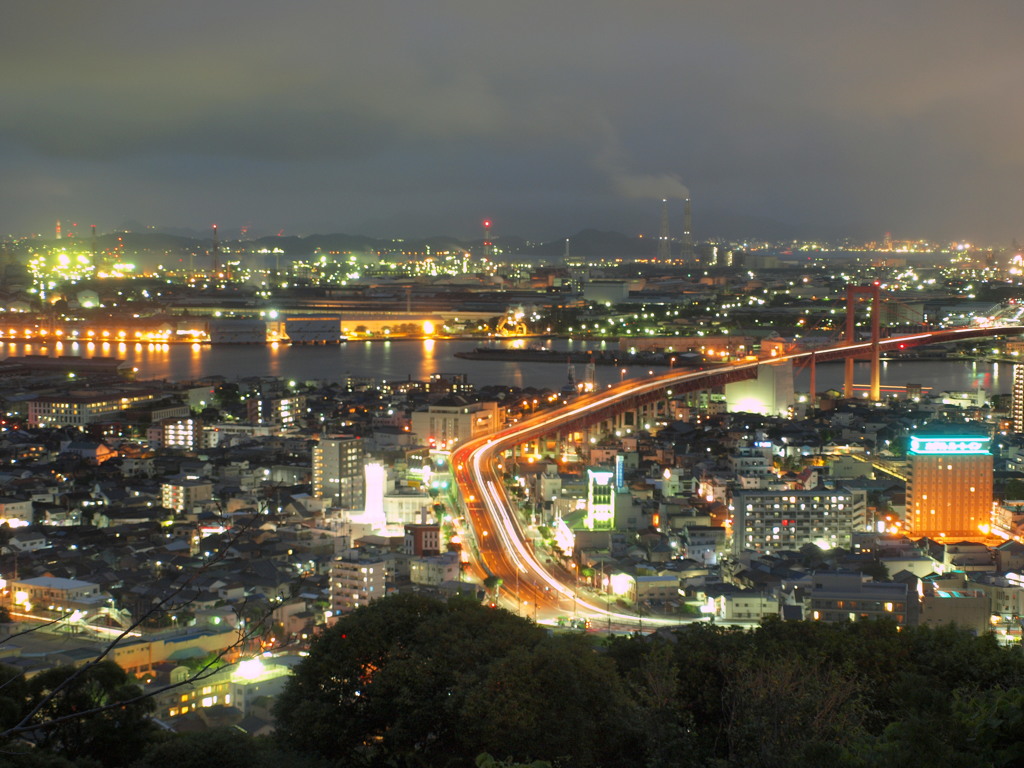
x=949 y=488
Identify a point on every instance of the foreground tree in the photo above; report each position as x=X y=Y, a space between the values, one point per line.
x=391 y=680
x=559 y=701
x=97 y=713
x=223 y=748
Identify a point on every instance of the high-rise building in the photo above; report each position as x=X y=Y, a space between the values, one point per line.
x=1017 y=399
x=338 y=471
x=949 y=489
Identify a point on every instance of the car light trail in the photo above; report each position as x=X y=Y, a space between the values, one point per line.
x=504 y=550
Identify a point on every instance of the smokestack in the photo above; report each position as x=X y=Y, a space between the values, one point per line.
x=95 y=249
x=488 y=245
x=664 y=251
x=216 y=251
x=687 y=231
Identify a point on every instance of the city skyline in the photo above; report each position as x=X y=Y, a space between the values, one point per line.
x=791 y=120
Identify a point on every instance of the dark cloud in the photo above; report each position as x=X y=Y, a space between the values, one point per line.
x=832 y=118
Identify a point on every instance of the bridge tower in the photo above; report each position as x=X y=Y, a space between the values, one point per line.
x=875 y=292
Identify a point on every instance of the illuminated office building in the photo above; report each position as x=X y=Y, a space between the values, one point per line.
x=949 y=489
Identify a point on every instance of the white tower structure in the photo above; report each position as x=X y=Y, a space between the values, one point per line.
x=687 y=253
x=664 y=248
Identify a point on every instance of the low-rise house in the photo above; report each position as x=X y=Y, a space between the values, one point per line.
x=433 y=570
x=59 y=595
x=746 y=605
x=177 y=693
x=14 y=509
x=952 y=601
x=27 y=540
x=842 y=596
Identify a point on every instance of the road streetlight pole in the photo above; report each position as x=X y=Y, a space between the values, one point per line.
x=575 y=586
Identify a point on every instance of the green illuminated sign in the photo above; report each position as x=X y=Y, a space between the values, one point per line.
x=944 y=446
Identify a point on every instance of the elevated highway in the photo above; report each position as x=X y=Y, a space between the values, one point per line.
x=502 y=548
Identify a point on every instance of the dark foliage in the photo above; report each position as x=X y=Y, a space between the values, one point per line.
x=410 y=681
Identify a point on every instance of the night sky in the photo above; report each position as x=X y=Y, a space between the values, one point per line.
x=422 y=117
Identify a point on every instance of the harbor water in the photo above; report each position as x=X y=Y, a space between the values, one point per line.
x=418 y=359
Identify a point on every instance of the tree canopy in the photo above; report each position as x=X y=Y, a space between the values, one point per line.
x=410 y=677
x=392 y=676
x=412 y=681
x=94 y=712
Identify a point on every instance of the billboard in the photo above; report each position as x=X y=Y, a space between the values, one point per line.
x=944 y=445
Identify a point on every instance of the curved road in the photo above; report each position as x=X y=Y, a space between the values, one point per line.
x=503 y=550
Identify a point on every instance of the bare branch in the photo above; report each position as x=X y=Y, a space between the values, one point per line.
x=36 y=628
x=25 y=725
x=207 y=670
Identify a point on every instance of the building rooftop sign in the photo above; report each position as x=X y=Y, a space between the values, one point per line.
x=943 y=445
